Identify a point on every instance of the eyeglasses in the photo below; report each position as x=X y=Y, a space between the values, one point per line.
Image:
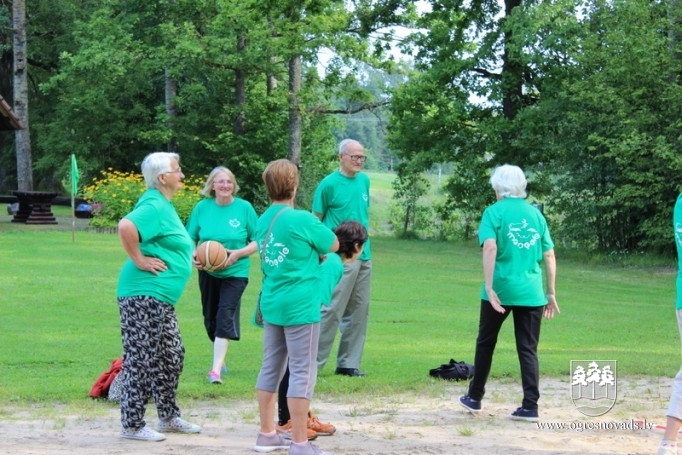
x=177 y=171
x=222 y=182
x=357 y=158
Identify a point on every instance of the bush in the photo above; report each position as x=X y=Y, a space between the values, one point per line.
x=114 y=194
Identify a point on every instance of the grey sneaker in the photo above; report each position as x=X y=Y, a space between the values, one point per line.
x=177 y=425
x=667 y=450
x=527 y=415
x=307 y=449
x=143 y=434
x=268 y=443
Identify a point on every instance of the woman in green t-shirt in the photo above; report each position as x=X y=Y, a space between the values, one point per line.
x=225 y=218
x=290 y=244
x=516 y=242
x=150 y=283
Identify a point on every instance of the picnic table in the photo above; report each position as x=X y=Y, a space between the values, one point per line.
x=35 y=207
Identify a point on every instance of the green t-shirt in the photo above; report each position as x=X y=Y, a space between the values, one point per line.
x=290 y=264
x=522 y=237
x=339 y=198
x=331 y=272
x=163 y=236
x=677 y=231
x=232 y=225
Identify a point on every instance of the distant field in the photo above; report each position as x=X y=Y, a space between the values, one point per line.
x=381 y=194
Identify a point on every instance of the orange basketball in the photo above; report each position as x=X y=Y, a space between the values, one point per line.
x=211 y=255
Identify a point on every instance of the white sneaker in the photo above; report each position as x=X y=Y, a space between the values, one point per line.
x=667 y=450
x=143 y=434
x=307 y=449
x=177 y=425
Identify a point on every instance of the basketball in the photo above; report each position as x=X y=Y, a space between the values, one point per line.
x=211 y=255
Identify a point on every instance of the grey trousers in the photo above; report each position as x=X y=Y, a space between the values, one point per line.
x=675 y=404
x=348 y=313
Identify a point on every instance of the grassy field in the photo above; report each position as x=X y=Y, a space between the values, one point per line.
x=60 y=328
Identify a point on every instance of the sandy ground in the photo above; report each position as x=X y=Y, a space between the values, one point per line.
x=403 y=424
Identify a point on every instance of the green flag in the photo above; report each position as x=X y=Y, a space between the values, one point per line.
x=75 y=176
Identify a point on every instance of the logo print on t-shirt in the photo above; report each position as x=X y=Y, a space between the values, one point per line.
x=275 y=252
x=521 y=235
x=234 y=222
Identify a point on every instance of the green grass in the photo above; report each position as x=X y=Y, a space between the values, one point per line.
x=381 y=192
x=60 y=329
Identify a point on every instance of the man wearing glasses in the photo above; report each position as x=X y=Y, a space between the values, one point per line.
x=342 y=196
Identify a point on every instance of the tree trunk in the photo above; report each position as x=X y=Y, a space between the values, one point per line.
x=240 y=90
x=512 y=71
x=674 y=34
x=22 y=136
x=295 y=117
x=171 y=91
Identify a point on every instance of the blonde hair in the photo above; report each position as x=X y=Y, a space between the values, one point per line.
x=208 y=190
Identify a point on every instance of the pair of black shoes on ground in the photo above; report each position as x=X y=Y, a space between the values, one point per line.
x=350 y=372
x=453 y=371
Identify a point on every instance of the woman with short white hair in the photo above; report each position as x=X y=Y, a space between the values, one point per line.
x=516 y=244
x=150 y=284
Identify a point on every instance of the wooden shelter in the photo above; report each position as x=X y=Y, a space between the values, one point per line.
x=8 y=119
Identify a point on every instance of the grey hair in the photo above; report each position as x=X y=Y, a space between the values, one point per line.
x=509 y=181
x=208 y=190
x=155 y=164
x=343 y=145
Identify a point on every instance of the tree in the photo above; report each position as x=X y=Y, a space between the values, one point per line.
x=20 y=71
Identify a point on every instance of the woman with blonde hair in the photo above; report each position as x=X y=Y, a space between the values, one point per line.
x=223 y=217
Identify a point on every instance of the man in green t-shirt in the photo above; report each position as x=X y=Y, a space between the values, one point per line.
x=342 y=196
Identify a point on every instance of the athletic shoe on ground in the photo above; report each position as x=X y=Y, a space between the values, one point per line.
x=667 y=450
x=143 y=434
x=177 y=425
x=527 y=415
x=214 y=378
x=320 y=428
x=268 y=443
x=223 y=370
x=471 y=405
x=306 y=449
x=285 y=431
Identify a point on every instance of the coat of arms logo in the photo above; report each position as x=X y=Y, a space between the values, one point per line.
x=593 y=386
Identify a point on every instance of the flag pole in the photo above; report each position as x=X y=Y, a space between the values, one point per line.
x=74 y=188
x=73 y=218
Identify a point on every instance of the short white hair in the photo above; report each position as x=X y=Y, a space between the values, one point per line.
x=155 y=164
x=509 y=181
x=343 y=145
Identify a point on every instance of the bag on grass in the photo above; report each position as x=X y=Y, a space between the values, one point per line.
x=100 y=389
x=116 y=388
x=453 y=371
x=258 y=315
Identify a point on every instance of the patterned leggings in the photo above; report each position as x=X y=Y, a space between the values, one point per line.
x=153 y=356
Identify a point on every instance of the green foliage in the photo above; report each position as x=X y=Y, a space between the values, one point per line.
x=586 y=101
x=114 y=194
x=408 y=188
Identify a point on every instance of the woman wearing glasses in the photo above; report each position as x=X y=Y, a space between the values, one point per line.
x=230 y=220
x=150 y=283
